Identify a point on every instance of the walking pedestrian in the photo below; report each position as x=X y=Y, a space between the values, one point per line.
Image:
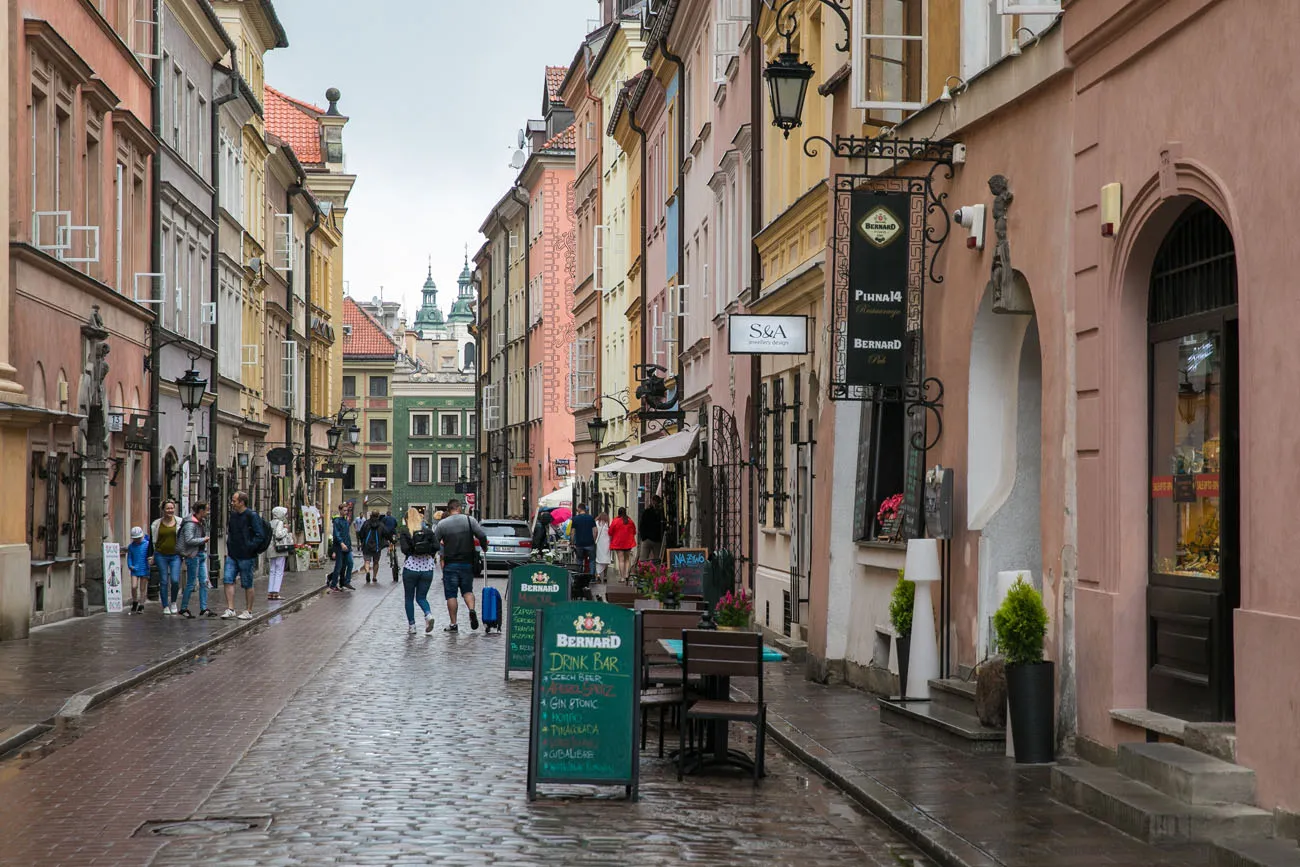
x=374 y=539
x=281 y=545
x=622 y=541
x=603 y=554
x=583 y=527
x=542 y=531
x=652 y=530
x=137 y=563
x=341 y=576
x=390 y=524
x=245 y=534
x=165 y=533
x=194 y=548
x=455 y=535
x=418 y=544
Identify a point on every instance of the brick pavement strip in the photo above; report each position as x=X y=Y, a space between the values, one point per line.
x=383 y=748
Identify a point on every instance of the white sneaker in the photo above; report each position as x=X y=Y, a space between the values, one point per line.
x=173 y=611
x=229 y=613
x=167 y=609
x=428 y=624
x=411 y=630
x=245 y=615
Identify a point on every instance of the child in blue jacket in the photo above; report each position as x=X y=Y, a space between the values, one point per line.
x=137 y=563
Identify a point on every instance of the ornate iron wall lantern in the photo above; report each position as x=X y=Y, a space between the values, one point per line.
x=788 y=76
x=332 y=436
x=192 y=388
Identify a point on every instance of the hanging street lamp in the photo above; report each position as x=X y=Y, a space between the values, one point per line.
x=354 y=435
x=192 y=388
x=332 y=437
x=596 y=430
x=787 y=84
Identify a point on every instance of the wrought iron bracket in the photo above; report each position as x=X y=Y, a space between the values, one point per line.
x=787 y=22
x=898 y=151
x=926 y=397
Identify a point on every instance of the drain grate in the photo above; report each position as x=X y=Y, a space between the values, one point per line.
x=203 y=827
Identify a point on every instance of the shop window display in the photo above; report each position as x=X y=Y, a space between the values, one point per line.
x=1186 y=419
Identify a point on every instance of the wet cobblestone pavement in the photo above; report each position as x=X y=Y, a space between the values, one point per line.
x=364 y=745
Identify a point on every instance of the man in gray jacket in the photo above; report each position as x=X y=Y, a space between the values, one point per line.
x=455 y=536
x=193 y=543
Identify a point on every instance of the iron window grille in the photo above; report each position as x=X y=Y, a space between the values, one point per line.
x=762 y=455
x=778 y=452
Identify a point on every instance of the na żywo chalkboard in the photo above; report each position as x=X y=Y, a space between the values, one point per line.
x=690 y=564
x=532 y=586
x=586 y=697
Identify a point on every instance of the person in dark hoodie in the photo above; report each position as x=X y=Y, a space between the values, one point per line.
x=244 y=535
x=542 y=531
x=374 y=539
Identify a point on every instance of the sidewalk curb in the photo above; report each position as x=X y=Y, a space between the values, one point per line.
x=19 y=735
x=936 y=840
x=82 y=702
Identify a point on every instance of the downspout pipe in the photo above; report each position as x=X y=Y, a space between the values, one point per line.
x=680 y=194
x=525 y=201
x=296 y=189
x=155 y=265
x=309 y=422
x=214 y=283
x=641 y=133
x=503 y=436
x=755 y=267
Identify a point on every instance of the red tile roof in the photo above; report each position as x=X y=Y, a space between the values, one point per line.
x=554 y=79
x=567 y=140
x=367 y=339
x=294 y=121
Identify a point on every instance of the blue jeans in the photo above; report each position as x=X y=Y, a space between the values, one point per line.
x=342 y=573
x=416 y=585
x=244 y=569
x=169 y=577
x=196 y=572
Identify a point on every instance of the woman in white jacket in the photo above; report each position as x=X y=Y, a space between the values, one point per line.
x=603 y=555
x=281 y=546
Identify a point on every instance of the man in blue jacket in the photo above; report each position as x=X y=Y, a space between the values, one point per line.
x=341 y=576
x=244 y=536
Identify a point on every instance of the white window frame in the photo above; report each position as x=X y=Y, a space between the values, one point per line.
x=427 y=415
x=410 y=469
x=1029 y=7
x=598 y=259
x=285 y=239
x=582 y=373
x=860 y=42
x=491 y=408
x=471 y=424
x=450 y=414
x=726 y=40
x=289 y=372
x=455 y=476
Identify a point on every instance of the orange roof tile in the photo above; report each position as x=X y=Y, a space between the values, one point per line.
x=555 y=78
x=367 y=339
x=567 y=140
x=294 y=121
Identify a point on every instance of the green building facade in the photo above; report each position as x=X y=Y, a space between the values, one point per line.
x=435 y=433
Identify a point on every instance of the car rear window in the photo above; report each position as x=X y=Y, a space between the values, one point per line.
x=504 y=530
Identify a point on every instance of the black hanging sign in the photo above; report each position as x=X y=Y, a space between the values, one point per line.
x=877 y=344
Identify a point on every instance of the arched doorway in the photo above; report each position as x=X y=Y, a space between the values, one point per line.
x=1194 y=564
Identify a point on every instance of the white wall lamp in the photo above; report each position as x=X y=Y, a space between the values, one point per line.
x=950 y=90
x=1017 y=46
x=971 y=218
x=1112 y=209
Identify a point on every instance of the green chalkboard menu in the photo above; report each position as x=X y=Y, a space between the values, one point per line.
x=532 y=586
x=586 y=697
x=690 y=564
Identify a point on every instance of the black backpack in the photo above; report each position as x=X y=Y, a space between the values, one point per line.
x=422 y=543
x=264 y=533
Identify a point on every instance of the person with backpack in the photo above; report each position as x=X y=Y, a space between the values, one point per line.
x=247 y=536
x=418 y=543
x=455 y=535
x=374 y=539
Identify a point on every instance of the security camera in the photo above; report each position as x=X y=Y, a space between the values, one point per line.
x=971 y=217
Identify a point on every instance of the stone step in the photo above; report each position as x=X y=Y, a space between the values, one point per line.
x=1256 y=853
x=1150 y=815
x=952 y=728
x=794 y=649
x=950 y=692
x=1213 y=739
x=1187 y=775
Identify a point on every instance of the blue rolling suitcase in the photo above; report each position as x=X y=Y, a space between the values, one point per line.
x=491 y=610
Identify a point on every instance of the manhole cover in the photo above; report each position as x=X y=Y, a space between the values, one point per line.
x=203 y=827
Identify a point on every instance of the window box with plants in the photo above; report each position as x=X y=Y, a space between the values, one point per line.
x=1021 y=626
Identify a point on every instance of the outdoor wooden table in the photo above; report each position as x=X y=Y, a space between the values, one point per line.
x=717 y=752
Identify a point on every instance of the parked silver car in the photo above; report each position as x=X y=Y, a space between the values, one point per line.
x=509 y=544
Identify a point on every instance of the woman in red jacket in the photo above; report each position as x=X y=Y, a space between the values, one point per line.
x=622 y=541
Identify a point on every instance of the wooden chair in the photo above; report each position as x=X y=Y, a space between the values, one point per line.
x=662 y=684
x=623 y=597
x=723 y=655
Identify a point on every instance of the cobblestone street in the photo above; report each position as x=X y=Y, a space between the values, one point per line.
x=364 y=745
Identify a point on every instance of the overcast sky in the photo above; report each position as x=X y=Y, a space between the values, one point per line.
x=435 y=92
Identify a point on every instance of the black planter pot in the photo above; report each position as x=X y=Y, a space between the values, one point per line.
x=904 y=643
x=1031 y=692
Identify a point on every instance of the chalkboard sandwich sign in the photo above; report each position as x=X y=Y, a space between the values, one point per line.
x=585 y=698
x=532 y=586
x=690 y=564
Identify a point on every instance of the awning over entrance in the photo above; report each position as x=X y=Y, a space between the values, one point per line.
x=676 y=447
x=632 y=468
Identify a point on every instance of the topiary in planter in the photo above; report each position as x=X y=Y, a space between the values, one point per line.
x=1021 y=624
x=901 y=603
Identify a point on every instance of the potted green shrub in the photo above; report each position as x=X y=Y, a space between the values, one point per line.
x=1021 y=625
x=901 y=603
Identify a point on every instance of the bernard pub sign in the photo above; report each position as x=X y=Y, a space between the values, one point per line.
x=876 y=353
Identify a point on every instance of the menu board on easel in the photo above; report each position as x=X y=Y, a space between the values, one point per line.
x=311 y=526
x=690 y=564
x=532 y=586
x=585 y=698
